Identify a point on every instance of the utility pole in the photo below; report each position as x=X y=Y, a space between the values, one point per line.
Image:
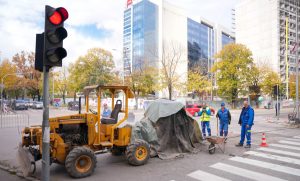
x=297 y=63
x=286 y=57
x=52 y=87
x=50 y=54
x=45 y=127
x=277 y=103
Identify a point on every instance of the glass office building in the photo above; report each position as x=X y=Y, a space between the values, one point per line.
x=201 y=45
x=127 y=41
x=148 y=23
x=226 y=39
x=140 y=35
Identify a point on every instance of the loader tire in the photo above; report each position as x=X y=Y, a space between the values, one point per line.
x=80 y=162
x=138 y=153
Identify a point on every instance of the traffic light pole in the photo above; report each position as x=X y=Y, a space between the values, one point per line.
x=46 y=128
x=277 y=103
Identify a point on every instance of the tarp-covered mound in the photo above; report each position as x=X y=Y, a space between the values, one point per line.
x=168 y=129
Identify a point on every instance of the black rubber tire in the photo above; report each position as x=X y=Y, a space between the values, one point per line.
x=116 y=151
x=211 y=149
x=72 y=157
x=131 y=153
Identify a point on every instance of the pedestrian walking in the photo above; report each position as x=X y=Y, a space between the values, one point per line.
x=224 y=117
x=246 y=121
x=205 y=120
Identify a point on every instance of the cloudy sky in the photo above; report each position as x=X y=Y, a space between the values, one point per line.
x=91 y=23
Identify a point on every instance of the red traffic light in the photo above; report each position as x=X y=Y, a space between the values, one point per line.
x=58 y=16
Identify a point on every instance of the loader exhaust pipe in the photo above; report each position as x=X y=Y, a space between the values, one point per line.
x=79 y=109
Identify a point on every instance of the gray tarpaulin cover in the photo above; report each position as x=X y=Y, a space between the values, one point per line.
x=168 y=129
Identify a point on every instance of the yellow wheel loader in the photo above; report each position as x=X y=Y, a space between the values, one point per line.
x=76 y=139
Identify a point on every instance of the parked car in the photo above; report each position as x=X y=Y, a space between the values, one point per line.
x=37 y=105
x=19 y=105
x=194 y=109
x=73 y=106
x=26 y=101
x=30 y=104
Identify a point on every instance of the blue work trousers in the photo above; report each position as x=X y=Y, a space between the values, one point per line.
x=205 y=125
x=245 y=132
x=223 y=129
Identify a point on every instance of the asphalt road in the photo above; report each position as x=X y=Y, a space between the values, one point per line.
x=199 y=166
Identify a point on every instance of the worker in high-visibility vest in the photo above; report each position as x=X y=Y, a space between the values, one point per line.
x=205 y=120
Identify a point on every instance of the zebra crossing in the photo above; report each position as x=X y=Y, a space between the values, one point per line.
x=280 y=161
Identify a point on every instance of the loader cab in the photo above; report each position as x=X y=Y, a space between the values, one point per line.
x=107 y=133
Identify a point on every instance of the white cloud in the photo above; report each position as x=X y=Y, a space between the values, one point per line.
x=20 y=20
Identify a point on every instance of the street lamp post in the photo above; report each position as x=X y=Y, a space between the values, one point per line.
x=297 y=64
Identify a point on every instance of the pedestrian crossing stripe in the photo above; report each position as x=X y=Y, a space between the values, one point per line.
x=274 y=157
x=267 y=153
x=292 y=139
x=201 y=175
x=280 y=152
x=290 y=142
x=271 y=166
x=285 y=146
x=244 y=173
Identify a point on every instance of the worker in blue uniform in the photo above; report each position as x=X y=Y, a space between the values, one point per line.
x=225 y=118
x=246 y=121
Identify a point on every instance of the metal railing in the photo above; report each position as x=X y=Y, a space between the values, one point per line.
x=13 y=120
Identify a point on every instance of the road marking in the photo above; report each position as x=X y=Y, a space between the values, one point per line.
x=292 y=139
x=280 y=152
x=286 y=146
x=289 y=142
x=271 y=166
x=243 y=172
x=200 y=175
x=274 y=157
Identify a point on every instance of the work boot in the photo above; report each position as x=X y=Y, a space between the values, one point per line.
x=247 y=146
x=239 y=145
x=225 y=140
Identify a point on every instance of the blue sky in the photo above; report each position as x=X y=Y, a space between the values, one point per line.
x=91 y=23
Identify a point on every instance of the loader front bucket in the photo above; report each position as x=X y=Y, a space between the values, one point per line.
x=26 y=161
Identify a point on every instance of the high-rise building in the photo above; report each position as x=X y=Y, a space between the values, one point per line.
x=268 y=29
x=140 y=34
x=205 y=39
x=152 y=26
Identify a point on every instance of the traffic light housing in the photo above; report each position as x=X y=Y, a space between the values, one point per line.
x=39 y=49
x=54 y=35
x=276 y=90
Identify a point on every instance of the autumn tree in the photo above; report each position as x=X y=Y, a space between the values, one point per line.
x=95 y=67
x=61 y=83
x=32 y=79
x=10 y=81
x=197 y=82
x=235 y=60
x=269 y=79
x=142 y=80
x=292 y=86
x=171 y=57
